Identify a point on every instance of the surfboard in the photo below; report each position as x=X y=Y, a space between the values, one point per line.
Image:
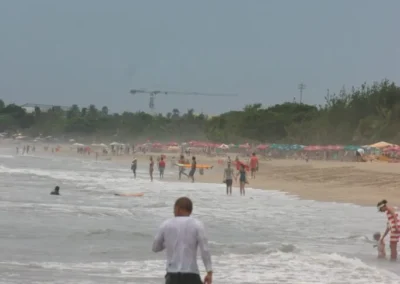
x=198 y=166
x=129 y=194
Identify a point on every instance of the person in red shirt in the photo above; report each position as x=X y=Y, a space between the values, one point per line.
x=161 y=167
x=253 y=165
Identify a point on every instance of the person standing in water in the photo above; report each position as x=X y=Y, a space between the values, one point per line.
x=193 y=168
x=393 y=227
x=151 y=168
x=181 y=237
x=134 y=167
x=242 y=179
x=161 y=167
x=228 y=178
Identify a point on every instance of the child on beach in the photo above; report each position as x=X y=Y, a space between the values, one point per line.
x=380 y=245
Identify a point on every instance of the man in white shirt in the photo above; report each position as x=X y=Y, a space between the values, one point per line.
x=181 y=236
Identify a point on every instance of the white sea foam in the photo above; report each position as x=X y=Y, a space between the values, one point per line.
x=278 y=267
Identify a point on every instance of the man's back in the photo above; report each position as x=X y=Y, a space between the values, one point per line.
x=181 y=236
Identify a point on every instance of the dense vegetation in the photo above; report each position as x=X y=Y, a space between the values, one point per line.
x=358 y=116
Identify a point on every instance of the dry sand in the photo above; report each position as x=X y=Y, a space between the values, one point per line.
x=350 y=182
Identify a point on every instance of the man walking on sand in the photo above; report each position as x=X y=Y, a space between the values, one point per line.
x=181 y=237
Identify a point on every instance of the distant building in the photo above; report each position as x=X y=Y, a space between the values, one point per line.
x=30 y=108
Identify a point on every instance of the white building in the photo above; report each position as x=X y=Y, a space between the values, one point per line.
x=30 y=108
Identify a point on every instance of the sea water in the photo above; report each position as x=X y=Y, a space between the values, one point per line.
x=88 y=235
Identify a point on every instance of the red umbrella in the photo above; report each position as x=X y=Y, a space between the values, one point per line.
x=246 y=146
x=262 y=147
x=313 y=148
x=156 y=145
x=333 y=147
x=392 y=148
x=172 y=144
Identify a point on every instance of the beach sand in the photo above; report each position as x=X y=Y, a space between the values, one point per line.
x=349 y=182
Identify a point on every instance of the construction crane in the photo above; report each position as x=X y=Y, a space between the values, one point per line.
x=153 y=95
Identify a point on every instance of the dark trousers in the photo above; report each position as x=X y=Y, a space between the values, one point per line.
x=183 y=278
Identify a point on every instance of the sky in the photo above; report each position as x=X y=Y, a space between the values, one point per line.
x=94 y=51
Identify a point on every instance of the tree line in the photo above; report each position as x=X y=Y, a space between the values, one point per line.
x=357 y=116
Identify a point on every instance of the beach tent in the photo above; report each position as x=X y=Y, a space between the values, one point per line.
x=381 y=145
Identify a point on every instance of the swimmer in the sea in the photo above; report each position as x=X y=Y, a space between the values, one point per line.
x=380 y=245
x=56 y=191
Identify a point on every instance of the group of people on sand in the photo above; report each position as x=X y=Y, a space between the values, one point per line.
x=229 y=174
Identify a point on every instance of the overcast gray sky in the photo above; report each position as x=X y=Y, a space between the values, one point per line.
x=94 y=51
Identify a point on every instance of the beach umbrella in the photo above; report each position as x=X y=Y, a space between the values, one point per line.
x=172 y=144
x=244 y=146
x=333 y=147
x=262 y=147
x=313 y=148
x=223 y=146
x=351 y=147
x=296 y=147
x=392 y=148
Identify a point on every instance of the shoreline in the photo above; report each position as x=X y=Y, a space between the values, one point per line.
x=362 y=184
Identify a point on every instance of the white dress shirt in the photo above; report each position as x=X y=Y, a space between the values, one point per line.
x=181 y=236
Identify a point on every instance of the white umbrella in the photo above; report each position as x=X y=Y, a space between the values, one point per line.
x=223 y=146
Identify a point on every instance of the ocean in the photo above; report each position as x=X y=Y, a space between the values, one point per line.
x=88 y=235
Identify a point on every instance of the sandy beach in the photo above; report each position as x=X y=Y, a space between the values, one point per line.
x=348 y=182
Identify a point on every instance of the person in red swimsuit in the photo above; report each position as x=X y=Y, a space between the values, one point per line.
x=393 y=226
